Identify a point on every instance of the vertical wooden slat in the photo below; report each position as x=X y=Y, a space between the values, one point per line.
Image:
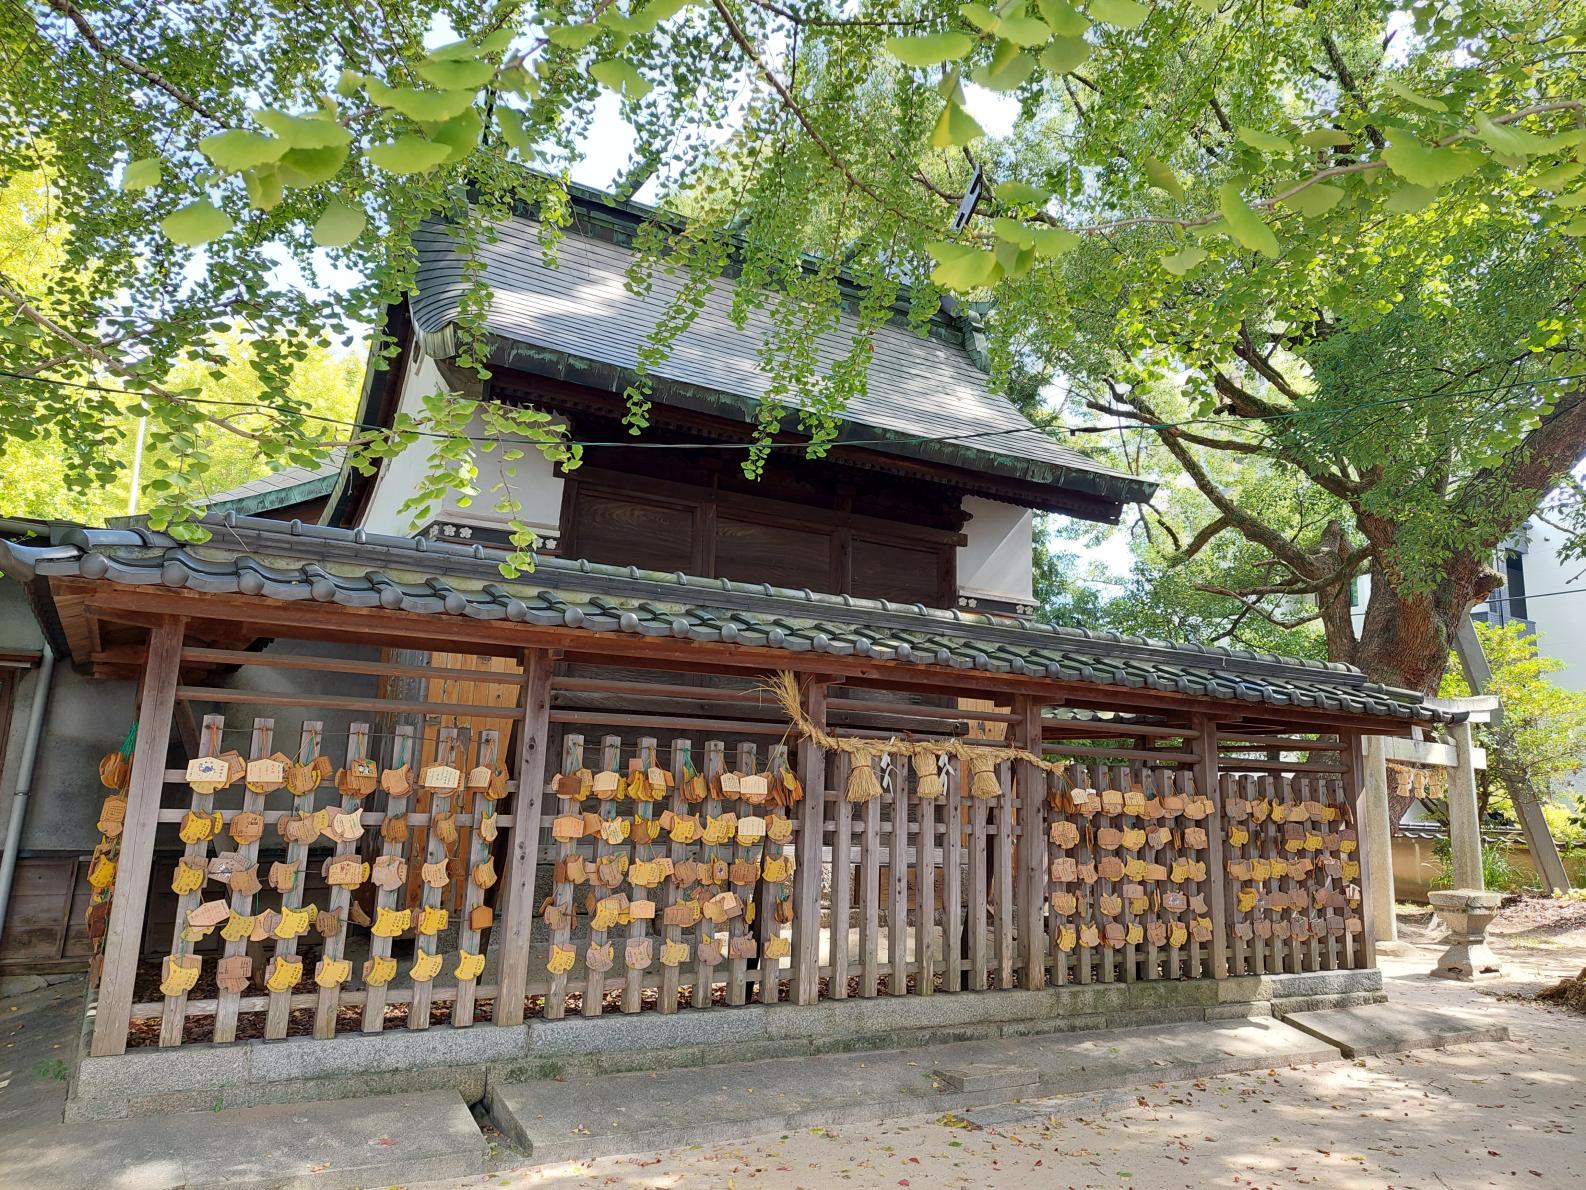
x=842 y=876
x=898 y=878
x=1314 y=790
x=952 y=879
x=1079 y=776
x=767 y=893
x=681 y=764
x=595 y=981
x=403 y=751
x=124 y=939
x=1145 y=777
x=561 y=890
x=478 y=850
x=1031 y=783
x=449 y=751
x=242 y=904
x=340 y=896
x=1123 y=778
x=638 y=928
x=174 y=1014
x=1006 y=959
x=1272 y=835
x=925 y=897
x=869 y=896
x=1055 y=783
x=516 y=899
x=746 y=761
x=705 y=973
x=278 y=1012
x=1199 y=952
x=809 y=845
x=977 y=928
x=1106 y=957
x=1208 y=781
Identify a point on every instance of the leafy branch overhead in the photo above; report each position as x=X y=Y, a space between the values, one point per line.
x=1196 y=169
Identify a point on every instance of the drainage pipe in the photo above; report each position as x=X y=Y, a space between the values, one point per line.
x=19 y=799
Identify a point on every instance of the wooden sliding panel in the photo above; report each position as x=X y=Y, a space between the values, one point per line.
x=156 y=703
x=809 y=845
x=403 y=752
x=515 y=902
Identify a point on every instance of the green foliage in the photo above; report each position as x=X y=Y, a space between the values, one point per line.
x=1236 y=210
x=1499 y=872
x=1541 y=738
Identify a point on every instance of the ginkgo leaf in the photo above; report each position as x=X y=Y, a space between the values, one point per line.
x=572 y=37
x=1246 y=227
x=971 y=270
x=1184 y=259
x=512 y=129
x=427 y=107
x=1025 y=32
x=340 y=225
x=1428 y=165
x=141 y=174
x=1410 y=198
x=1126 y=14
x=309 y=167
x=1575 y=227
x=455 y=75
x=653 y=13
x=1415 y=97
x=196 y=223
x=1552 y=179
x=979 y=16
x=304 y=132
x=1063 y=18
x=1014 y=232
x=408 y=155
x=264 y=186
x=1266 y=142
x=460 y=135
x=954 y=127
x=1508 y=139
x=1065 y=54
x=620 y=76
x=929 y=49
x=1209 y=7
x=1316 y=199
x=1006 y=71
x=1053 y=241
x=1571 y=201
x=1326 y=138
x=1020 y=193
x=1162 y=177
x=236 y=149
x=494 y=43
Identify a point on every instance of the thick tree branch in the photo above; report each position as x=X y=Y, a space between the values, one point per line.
x=1251 y=605
x=153 y=77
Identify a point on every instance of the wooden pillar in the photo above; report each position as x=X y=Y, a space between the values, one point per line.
x=1368 y=757
x=1464 y=819
x=1208 y=782
x=156 y=702
x=518 y=898
x=1031 y=895
x=1361 y=774
x=805 y=988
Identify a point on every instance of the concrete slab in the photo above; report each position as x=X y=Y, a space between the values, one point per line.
x=349 y=1143
x=579 y=1118
x=989 y=1076
x=1392 y=1028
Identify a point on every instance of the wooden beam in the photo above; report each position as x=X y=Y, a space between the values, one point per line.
x=1208 y=782
x=157 y=702
x=347 y=666
x=521 y=867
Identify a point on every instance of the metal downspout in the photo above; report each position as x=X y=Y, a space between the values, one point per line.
x=19 y=799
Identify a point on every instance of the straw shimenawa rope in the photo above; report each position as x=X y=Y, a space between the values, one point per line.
x=981 y=760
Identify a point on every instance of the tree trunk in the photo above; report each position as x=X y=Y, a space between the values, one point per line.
x=1407 y=636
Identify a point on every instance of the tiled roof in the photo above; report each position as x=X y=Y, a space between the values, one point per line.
x=290 y=485
x=926 y=398
x=297 y=562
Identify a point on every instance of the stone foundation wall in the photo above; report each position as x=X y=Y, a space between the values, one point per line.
x=145 y=1082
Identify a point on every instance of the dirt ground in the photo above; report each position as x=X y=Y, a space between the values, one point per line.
x=1489 y=1115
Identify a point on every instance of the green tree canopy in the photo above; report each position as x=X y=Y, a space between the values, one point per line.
x=1337 y=237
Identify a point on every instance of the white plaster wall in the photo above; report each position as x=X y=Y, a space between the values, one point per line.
x=998 y=558
x=1558 y=618
x=535 y=484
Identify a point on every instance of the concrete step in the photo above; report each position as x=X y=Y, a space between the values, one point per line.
x=1392 y=1028
x=382 y=1141
x=576 y=1118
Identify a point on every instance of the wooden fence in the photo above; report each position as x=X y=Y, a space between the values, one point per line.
x=617 y=850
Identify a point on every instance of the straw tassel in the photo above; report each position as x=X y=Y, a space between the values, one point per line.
x=983 y=781
x=927 y=780
x=862 y=783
